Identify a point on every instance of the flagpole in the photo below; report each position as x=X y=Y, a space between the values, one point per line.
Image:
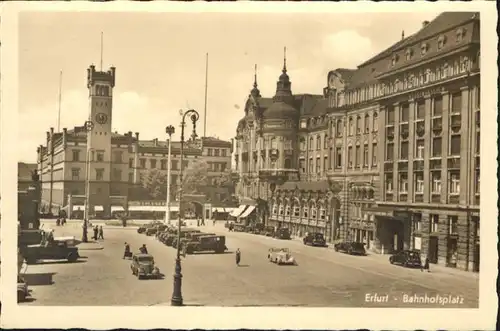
x=59 y=103
x=206 y=89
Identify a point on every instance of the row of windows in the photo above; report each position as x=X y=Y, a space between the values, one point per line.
x=217 y=152
x=153 y=164
x=96 y=156
x=434 y=182
x=354 y=159
x=454 y=148
x=287 y=211
x=437 y=109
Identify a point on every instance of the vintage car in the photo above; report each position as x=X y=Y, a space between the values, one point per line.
x=145 y=227
x=22 y=289
x=407 y=258
x=314 y=239
x=238 y=227
x=205 y=243
x=258 y=228
x=281 y=256
x=268 y=231
x=155 y=229
x=351 y=248
x=50 y=250
x=172 y=240
x=143 y=266
x=160 y=229
x=282 y=233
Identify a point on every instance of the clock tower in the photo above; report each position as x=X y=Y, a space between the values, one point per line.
x=100 y=85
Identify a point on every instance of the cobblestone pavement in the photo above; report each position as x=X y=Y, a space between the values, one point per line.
x=321 y=278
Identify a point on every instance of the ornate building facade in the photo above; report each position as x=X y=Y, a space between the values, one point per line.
x=388 y=155
x=116 y=161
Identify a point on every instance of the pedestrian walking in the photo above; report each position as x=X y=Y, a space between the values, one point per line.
x=58 y=221
x=101 y=233
x=214 y=221
x=238 y=257
x=426 y=265
x=203 y=221
x=96 y=232
x=143 y=249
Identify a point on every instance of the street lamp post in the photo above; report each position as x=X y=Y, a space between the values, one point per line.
x=170 y=130
x=177 y=293
x=89 y=125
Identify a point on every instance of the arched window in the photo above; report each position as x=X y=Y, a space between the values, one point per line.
x=375 y=122
x=288 y=163
x=358 y=124
x=296 y=208
x=367 y=123
x=302 y=144
x=325 y=141
x=339 y=128
x=305 y=211
x=311 y=143
x=287 y=210
x=274 y=144
x=313 y=211
x=351 y=126
x=318 y=142
x=281 y=209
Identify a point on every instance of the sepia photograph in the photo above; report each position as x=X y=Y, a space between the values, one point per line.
x=260 y=159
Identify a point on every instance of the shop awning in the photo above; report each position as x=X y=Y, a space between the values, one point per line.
x=152 y=208
x=78 y=207
x=247 y=211
x=98 y=208
x=237 y=212
x=117 y=208
x=387 y=212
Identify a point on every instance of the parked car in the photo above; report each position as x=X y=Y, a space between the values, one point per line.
x=281 y=256
x=143 y=266
x=205 y=243
x=22 y=289
x=53 y=250
x=351 y=248
x=407 y=258
x=145 y=227
x=315 y=239
x=268 y=231
x=282 y=233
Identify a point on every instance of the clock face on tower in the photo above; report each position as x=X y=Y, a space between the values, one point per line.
x=101 y=118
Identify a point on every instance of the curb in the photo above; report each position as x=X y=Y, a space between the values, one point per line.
x=98 y=248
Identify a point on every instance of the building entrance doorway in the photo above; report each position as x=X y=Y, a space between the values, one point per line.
x=433 y=249
x=452 y=254
x=476 y=258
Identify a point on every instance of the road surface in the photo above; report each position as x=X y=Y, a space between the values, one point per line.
x=322 y=278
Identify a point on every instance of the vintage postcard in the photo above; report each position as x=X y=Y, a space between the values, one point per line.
x=249 y=165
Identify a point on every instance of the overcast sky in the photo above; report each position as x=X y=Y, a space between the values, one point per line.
x=160 y=61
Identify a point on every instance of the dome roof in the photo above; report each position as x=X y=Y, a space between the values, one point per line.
x=280 y=109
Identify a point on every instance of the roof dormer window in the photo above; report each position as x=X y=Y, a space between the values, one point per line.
x=409 y=54
x=441 y=41
x=424 y=48
x=394 y=60
x=460 y=34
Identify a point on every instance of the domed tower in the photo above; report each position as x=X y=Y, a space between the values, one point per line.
x=280 y=125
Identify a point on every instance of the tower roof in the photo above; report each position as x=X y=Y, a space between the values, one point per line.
x=255 y=92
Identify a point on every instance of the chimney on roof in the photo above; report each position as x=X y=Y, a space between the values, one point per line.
x=155 y=142
x=424 y=24
x=51 y=131
x=137 y=135
x=48 y=135
x=65 y=133
x=403 y=35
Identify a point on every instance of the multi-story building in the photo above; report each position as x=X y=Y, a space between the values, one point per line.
x=116 y=161
x=389 y=156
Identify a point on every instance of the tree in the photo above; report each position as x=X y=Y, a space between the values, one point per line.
x=195 y=177
x=155 y=183
x=223 y=180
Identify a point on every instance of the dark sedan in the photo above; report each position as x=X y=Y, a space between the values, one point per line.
x=314 y=239
x=407 y=258
x=351 y=248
